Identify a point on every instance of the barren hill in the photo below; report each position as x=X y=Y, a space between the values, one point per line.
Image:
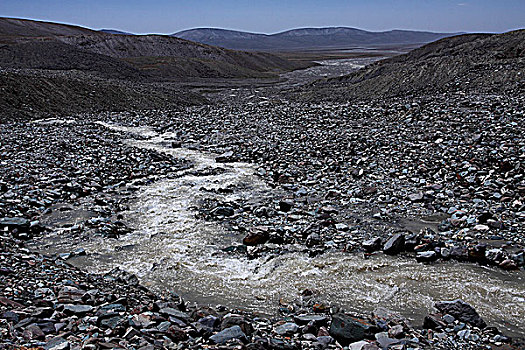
x=57 y=68
x=485 y=62
x=17 y=31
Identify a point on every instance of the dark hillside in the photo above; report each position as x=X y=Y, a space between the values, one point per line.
x=481 y=62
x=52 y=55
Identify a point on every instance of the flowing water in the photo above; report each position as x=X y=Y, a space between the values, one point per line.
x=171 y=249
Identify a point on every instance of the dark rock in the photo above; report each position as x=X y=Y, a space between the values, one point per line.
x=33 y=332
x=122 y=276
x=77 y=309
x=372 y=245
x=395 y=244
x=70 y=294
x=176 y=334
x=20 y=224
x=256 y=237
x=347 y=329
x=47 y=327
x=174 y=313
x=396 y=331
x=8 y=302
x=110 y=309
x=112 y=322
x=228 y=334
x=4 y=271
x=57 y=343
x=459 y=253
x=285 y=205
x=448 y=318
x=461 y=311
x=210 y=321
x=236 y=320
x=477 y=253
x=433 y=321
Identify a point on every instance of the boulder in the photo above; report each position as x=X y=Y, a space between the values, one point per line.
x=395 y=244
x=228 y=334
x=462 y=311
x=347 y=329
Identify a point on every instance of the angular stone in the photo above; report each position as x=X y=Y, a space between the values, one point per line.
x=112 y=322
x=372 y=245
x=358 y=345
x=175 y=313
x=395 y=244
x=325 y=340
x=396 y=331
x=384 y=340
x=141 y=320
x=477 y=253
x=70 y=294
x=347 y=329
x=287 y=329
x=222 y=211
x=57 y=343
x=10 y=316
x=176 y=334
x=77 y=309
x=228 y=334
x=33 y=332
x=237 y=320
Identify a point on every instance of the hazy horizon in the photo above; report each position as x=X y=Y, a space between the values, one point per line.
x=268 y=17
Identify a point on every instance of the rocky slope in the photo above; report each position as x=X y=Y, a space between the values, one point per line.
x=29 y=94
x=468 y=62
x=307 y=38
x=48 y=67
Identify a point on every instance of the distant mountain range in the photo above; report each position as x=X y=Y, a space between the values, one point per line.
x=309 y=38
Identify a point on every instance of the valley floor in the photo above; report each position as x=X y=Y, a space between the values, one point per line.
x=431 y=181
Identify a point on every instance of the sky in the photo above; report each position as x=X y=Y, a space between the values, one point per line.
x=271 y=16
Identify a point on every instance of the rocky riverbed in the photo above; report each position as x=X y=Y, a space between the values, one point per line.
x=263 y=223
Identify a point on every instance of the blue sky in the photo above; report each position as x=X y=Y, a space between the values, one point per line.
x=270 y=16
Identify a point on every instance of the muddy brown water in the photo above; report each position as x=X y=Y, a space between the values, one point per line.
x=170 y=249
